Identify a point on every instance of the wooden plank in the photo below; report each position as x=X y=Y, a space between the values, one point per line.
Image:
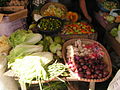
x=12 y=8
x=18 y=15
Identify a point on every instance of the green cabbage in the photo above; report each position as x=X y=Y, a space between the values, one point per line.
x=23 y=50
x=24 y=37
x=46 y=57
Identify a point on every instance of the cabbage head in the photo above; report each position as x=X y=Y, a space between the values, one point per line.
x=24 y=37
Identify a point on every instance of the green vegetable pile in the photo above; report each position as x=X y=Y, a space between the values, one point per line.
x=49 y=24
x=52 y=10
x=53 y=44
x=109 y=5
x=30 y=59
x=110 y=18
x=114 y=31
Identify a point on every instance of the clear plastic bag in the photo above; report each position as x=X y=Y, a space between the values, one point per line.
x=115 y=83
x=6 y=27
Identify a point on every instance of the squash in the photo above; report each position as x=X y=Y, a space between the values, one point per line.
x=72 y=16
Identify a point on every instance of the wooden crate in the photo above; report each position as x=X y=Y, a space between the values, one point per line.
x=14 y=16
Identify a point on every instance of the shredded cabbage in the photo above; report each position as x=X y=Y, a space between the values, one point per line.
x=29 y=68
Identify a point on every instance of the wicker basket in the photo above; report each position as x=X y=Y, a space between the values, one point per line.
x=106 y=59
x=92 y=36
x=58 y=5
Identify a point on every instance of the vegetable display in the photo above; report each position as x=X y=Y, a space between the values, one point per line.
x=110 y=18
x=86 y=60
x=36 y=57
x=35 y=61
x=114 y=31
x=78 y=28
x=109 y=5
x=52 y=10
x=52 y=44
x=49 y=24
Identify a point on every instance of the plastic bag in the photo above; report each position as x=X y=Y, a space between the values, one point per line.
x=6 y=83
x=115 y=83
x=7 y=27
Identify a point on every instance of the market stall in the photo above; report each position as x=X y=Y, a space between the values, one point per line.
x=56 y=47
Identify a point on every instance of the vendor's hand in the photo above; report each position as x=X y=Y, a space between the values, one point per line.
x=89 y=19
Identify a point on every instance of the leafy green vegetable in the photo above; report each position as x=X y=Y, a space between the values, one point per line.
x=57 y=39
x=46 y=57
x=23 y=50
x=114 y=31
x=49 y=39
x=24 y=37
x=54 y=47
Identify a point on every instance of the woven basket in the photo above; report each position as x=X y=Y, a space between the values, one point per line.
x=92 y=36
x=58 y=5
x=106 y=59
